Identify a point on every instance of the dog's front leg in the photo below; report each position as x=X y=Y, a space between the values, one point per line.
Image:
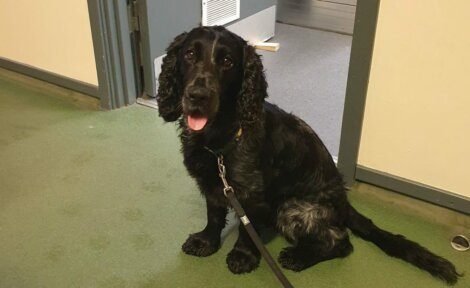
x=207 y=241
x=244 y=256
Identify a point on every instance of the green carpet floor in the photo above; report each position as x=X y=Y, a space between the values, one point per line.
x=92 y=198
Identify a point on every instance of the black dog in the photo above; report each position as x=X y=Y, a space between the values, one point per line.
x=281 y=172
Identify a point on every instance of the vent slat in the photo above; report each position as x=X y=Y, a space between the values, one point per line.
x=218 y=15
x=220 y=12
x=219 y=3
x=223 y=10
x=228 y=7
x=222 y=5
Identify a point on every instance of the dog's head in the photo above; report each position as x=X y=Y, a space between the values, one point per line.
x=210 y=71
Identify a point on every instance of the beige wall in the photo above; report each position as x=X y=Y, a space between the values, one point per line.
x=53 y=35
x=417 y=117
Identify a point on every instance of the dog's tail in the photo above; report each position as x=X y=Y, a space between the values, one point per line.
x=400 y=247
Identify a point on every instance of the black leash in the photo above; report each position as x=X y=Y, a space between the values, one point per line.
x=230 y=194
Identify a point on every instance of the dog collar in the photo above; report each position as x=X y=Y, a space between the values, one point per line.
x=229 y=146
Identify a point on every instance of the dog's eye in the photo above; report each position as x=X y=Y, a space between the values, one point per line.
x=227 y=62
x=189 y=55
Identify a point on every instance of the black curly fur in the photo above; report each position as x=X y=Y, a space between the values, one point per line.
x=282 y=173
x=169 y=89
x=253 y=90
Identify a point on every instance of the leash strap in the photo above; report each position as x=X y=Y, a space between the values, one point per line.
x=229 y=193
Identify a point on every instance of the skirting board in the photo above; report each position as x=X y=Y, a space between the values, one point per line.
x=50 y=77
x=414 y=189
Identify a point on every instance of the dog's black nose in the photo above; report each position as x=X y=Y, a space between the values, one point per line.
x=198 y=95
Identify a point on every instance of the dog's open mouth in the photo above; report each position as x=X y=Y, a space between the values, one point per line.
x=196 y=122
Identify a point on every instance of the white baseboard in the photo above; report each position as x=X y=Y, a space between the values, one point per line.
x=157 y=65
x=335 y=159
x=147 y=101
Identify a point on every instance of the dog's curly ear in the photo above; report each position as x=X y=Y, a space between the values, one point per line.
x=169 y=89
x=253 y=90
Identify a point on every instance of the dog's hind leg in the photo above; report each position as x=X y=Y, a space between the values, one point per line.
x=313 y=231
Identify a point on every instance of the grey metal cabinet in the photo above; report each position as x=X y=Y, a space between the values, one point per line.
x=331 y=15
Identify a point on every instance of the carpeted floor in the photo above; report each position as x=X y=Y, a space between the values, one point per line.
x=91 y=198
x=308 y=76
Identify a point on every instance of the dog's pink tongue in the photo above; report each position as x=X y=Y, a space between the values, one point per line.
x=196 y=123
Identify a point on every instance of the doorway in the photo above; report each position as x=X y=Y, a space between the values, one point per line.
x=315 y=38
x=308 y=76
x=320 y=73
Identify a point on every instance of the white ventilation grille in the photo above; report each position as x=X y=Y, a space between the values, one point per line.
x=219 y=12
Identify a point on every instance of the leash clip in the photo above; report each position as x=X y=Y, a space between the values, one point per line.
x=222 y=173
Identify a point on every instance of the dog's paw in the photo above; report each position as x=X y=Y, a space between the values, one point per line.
x=201 y=245
x=289 y=258
x=241 y=261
